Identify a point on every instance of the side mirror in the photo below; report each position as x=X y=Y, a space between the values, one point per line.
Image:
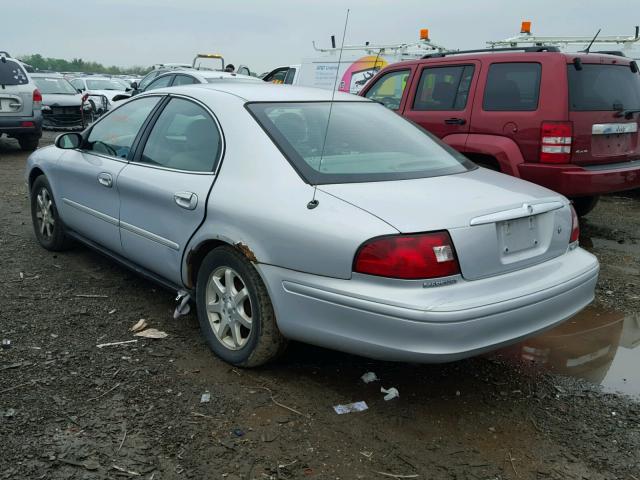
x=80 y=90
x=69 y=141
x=134 y=85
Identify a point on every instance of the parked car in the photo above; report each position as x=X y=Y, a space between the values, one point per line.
x=20 y=102
x=369 y=236
x=159 y=69
x=567 y=121
x=62 y=105
x=101 y=87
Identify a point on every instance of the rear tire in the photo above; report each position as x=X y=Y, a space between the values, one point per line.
x=234 y=310
x=28 y=143
x=47 y=224
x=584 y=205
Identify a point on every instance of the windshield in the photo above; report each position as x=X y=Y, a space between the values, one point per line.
x=603 y=87
x=103 y=85
x=365 y=142
x=50 y=85
x=11 y=73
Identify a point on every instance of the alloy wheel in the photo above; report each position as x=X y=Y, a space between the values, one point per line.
x=45 y=214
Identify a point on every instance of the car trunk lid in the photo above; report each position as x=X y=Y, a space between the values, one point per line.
x=602 y=98
x=497 y=224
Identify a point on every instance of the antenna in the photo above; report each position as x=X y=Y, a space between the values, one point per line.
x=586 y=50
x=314 y=203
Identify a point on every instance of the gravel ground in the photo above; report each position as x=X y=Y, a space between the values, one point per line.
x=71 y=410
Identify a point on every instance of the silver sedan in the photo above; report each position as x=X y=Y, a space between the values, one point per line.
x=287 y=216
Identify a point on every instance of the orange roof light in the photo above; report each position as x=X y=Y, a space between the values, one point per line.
x=526 y=27
x=424 y=34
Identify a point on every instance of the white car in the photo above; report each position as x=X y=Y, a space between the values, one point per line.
x=101 y=91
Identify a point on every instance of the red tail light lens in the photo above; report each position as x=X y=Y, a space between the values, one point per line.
x=555 y=142
x=575 y=226
x=37 y=99
x=410 y=257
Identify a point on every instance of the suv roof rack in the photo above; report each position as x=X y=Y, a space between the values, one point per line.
x=538 y=48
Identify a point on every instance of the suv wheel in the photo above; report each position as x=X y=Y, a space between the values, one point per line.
x=47 y=225
x=584 y=205
x=234 y=310
x=29 y=143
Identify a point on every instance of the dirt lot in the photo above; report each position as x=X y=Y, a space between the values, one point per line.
x=71 y=410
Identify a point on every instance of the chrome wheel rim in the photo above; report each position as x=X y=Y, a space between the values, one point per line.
x=229 y=308
x=44 y=214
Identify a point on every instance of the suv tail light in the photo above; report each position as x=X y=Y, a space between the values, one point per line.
x=575 y=228
x=37 y=99
x=410 y=257
x=555 y=142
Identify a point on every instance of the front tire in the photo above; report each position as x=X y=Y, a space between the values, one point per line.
x=47 y=224
x=234 y=310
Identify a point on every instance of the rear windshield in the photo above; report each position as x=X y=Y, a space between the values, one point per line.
x=11 y=73
x=104 y=85
x=365 y=142
x=53 y=85
x=603 y=87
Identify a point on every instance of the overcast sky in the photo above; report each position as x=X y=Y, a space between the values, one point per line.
x=264 y=34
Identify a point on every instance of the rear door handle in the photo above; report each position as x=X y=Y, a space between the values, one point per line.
x=188 y=200
x=455 y=121
x=105 y=179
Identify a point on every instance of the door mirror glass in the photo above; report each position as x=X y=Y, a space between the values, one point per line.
x=134 y=85
x=68 y=141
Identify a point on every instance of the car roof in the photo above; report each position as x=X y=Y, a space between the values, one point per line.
x=210 y=74
x=264 y=92
x=518 y=55
x=46 y=75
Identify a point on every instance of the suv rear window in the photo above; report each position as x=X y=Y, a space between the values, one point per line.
x=365 y=142
x=512 y=87
x=603 y=87
x=11 y=73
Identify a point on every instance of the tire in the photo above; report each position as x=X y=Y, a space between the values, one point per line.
x=28 y=143
x=247 y=299
x=584 y=205
x=52 y=236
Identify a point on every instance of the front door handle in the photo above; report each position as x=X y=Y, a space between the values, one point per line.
x=455 y=121
x=188 y=200
x=105 y=179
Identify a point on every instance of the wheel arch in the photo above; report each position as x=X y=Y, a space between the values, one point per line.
x=33 y=174
x=504 y=150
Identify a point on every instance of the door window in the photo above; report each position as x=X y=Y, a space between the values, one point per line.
x=159 y=83
x=389 y=88
x=291 y=75
x=114 y=135
x=278 y=76
x=444 y=88
x=512 y=87
x=184 y=137
x=77 y=83
x=184 y=80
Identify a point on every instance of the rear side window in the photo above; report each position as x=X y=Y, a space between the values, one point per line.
x=603 y=87
x=160 y=83
x=444 y=88
x=184 y=137
x=11 y=73
x=389 y=88
x=184 y=80
x=512 y=87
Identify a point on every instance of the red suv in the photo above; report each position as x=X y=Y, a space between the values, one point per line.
x=567 y=121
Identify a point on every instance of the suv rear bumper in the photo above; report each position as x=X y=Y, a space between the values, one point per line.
x=31 y=125
x=583 y=181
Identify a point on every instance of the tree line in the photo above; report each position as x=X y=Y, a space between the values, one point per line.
x=39 y=62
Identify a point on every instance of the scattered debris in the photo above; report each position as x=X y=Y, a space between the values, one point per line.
x=183 y=307
x=111 y=312
x=205 y=398
x=104 y=393
x=90 y=295
x=390 y=393
x=367 y=454
x=140 y=325
x=101 y=345
x=369 y=377
x=152 y=333
x=124 y=470
x=6 y=344
x=8 y=413
x=238 y=432
x=278 y=403
x=350 y=407
x=393 y=475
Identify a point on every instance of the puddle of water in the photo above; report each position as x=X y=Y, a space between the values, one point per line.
x=601 y=346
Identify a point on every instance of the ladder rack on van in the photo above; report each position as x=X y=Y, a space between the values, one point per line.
x=527 y=38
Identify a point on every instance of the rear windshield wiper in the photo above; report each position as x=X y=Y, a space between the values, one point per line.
x=628 y=114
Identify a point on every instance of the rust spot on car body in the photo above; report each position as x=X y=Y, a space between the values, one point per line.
x=246 y=251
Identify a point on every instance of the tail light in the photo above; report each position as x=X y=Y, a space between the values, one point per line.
x=410 y=257
x=37 y=99
x=575 y=228
x=555 y=142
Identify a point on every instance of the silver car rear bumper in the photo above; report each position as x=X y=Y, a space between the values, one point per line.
x=402 y=321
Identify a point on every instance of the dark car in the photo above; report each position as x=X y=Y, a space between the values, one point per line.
x=567 y=121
